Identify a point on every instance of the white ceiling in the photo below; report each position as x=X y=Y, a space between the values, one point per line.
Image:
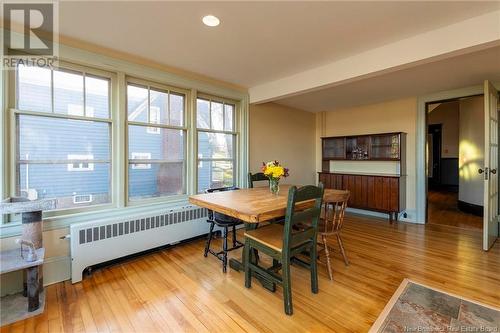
x=256 y=42
x=453 y=73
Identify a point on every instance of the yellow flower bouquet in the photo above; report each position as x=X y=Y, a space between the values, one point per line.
x=274 y=171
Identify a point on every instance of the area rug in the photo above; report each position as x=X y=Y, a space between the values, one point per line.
x=417 y=308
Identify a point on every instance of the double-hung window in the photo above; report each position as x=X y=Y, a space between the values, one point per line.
x=156 y=140
x=217 y=137
x=63 y=135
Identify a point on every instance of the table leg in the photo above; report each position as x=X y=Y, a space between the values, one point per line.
x=33 y=288
x=238 y=265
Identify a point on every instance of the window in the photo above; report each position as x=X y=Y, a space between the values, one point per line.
x=156 y=141
x=80 y=166
x=216 y=143
x=141 y=156
x=82 y=198
x=154 y=118
x=63 y=122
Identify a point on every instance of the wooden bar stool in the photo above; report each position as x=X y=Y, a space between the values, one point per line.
x=331 y=222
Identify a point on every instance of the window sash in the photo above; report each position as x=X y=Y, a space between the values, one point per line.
x=131 y=200
x=233 y=160
x=63 y=69
x=224 y=102
x=162 y=88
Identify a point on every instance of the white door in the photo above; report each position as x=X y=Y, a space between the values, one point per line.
x=490 y=223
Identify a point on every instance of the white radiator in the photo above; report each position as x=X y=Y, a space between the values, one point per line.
x=100 y=241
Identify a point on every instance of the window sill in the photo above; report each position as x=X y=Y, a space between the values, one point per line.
x=13 y=229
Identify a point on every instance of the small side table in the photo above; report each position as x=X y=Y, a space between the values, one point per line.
x=11 y=261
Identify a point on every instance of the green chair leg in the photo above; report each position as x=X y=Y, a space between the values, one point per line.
x=246 y=264
x=314 y=268
x=287 y=286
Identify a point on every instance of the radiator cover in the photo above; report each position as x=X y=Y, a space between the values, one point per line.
x=100 y=241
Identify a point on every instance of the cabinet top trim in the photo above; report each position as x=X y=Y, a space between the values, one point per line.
x=358 y=135
x=391 y=175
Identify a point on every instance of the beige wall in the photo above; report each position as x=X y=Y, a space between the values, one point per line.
x=284 y=134
x=393 y=116
x=447 y=114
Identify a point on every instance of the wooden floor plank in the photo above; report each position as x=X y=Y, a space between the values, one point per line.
x=178 y=290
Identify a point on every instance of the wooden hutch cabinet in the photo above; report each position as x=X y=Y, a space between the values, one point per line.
x=379 y=192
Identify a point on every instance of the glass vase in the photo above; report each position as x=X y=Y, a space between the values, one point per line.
x=274 y=186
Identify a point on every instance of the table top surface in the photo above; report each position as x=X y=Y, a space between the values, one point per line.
x=11 y=260
x=252 y=205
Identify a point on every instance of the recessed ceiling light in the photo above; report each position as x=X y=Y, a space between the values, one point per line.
x=211 y=20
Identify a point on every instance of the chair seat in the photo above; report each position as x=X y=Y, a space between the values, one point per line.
x=321 y=228
x=225 y=220
x=270 y=235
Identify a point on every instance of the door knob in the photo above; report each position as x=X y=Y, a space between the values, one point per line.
x=480 y=171
x=493 y=171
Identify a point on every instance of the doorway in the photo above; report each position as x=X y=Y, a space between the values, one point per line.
x=455 y=153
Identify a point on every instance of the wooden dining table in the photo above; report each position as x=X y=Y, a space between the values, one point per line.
x=252 y=206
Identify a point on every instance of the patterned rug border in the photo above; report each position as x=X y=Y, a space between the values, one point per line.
x=388 y=307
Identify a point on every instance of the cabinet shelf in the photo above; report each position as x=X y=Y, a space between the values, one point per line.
x=379 y=147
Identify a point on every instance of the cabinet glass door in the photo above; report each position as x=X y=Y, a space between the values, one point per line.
x=385 y=147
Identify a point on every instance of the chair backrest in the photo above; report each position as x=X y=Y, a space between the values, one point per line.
x=335 y=205
x=295 y=214
x=221 y=189
x=256 y=177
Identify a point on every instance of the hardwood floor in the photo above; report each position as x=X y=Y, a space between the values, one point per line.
x=443 y=210
x=179 y=290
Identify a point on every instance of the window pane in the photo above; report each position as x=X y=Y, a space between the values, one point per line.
x=217 y=116
x=214 y=174
x=43 y=138
x=167 y=144
x=96 y=97
x=71 y=189
x=176 y=110
x=137 y=103
x=68 y=93
x=158 y=113
x=203 y=113
x=215 y=145
x=155 y=179
x=228 y=117
x=34 y=89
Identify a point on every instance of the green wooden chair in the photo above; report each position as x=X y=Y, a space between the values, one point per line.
x=256 y=177
x=282 y=242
